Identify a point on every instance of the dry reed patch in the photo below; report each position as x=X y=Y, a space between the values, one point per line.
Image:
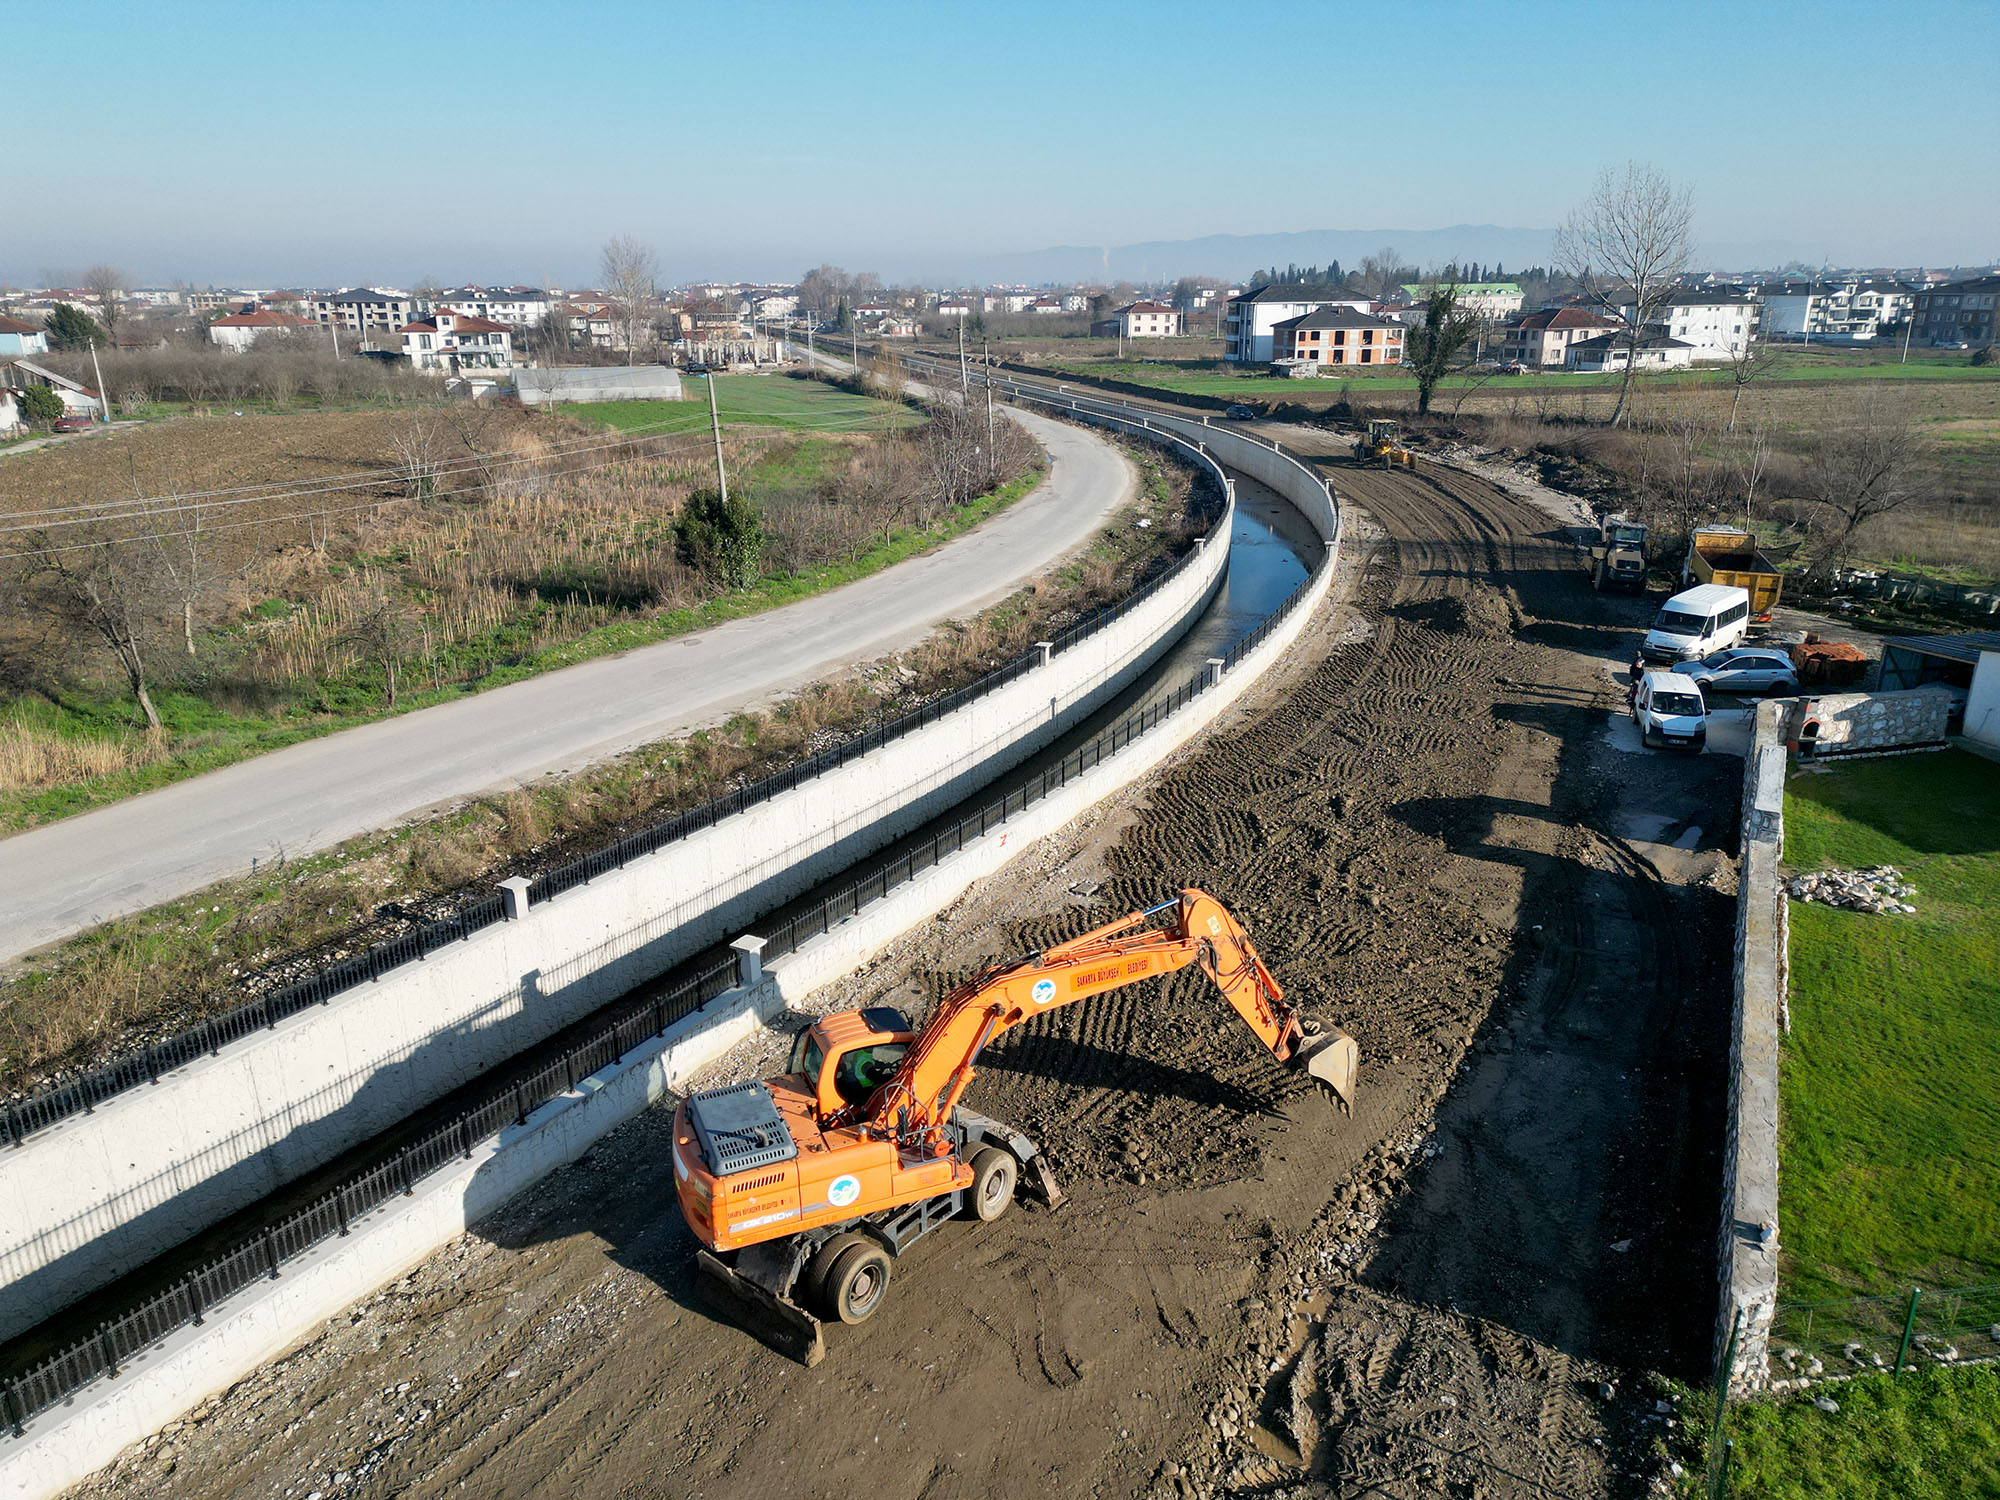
x=33 y=755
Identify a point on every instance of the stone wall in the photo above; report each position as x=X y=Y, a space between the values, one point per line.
x=1850 y=723
x=1748 y=1241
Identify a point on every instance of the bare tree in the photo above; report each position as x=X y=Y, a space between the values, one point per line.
x=1626 y=245
x=1753 y=463
x=1381 y=272
x=97 y=585
x=419 y=448
x=107 y=284
x=380 y=632
x=1745 y=365
x=631 y=275
x=179 y=533
x=1871 y=458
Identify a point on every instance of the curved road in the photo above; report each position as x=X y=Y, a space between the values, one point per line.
x=124 y=858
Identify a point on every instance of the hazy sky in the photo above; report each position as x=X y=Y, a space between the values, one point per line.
x=343 y=143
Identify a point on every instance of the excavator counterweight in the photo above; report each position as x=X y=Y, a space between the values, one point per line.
x=803 y=1188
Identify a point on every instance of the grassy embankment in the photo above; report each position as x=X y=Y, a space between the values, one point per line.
x=157 y=971
x=208 y=725
x=1889 y=1155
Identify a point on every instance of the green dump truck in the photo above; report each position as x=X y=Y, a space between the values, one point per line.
x=1728 y=555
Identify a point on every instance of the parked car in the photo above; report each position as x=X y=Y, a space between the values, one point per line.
x=75 y=423
x=1746 y=669
x=1513 y=367
x=1241 y=413
x=1669 y=711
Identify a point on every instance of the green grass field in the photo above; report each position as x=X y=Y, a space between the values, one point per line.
x=1932 y=1435
x=752 y=401
x=1207 y=378
x=1890 y=1130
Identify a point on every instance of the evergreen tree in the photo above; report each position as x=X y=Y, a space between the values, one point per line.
x=73 y=328
x=721 y=540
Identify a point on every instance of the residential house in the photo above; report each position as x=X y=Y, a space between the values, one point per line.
x=899 y=328
x=954 y=307
x=516 y=306
x=1329 y=336
x=1075 y=302
x=1248 y=324
x=1046 y=307
x=19 y=374
x=1837 y=309
x=1718 y=324
x=1017 y=302
x=1139 y=320
x=365 y=310
x=1654 y=351
x=870 y=311
x=451 y=343
x=1958 y=312
x=1542 y=340
x=239 y=331
x=18 y=338
x=211 y=301
x=1492 y=300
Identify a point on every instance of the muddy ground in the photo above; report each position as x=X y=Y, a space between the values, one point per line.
x=1469 y=1289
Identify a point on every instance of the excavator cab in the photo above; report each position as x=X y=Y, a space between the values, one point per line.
x=843 y=1058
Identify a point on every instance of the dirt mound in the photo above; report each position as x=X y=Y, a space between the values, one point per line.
x=1483 y=615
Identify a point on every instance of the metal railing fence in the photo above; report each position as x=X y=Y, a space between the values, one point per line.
x=82 y=1093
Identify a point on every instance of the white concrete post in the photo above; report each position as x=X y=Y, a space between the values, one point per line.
x=749 y=961
x=1047 y=648
x=1214 y=670
x=515 y=889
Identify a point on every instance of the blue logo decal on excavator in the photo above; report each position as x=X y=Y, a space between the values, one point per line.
x=843 y=1191
x=1044 y=991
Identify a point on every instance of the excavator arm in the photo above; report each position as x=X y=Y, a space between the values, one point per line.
x=940 y=1062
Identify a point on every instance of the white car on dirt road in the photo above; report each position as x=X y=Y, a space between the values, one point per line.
x=1669 y=711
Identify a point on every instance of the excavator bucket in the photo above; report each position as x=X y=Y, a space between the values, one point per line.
x=1334 y=1061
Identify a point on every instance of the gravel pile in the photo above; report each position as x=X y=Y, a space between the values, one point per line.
x=1881 y=889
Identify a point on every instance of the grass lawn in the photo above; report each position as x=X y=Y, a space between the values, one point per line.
x=1933 y=1435
x=1890 y=1132
x=752 y=401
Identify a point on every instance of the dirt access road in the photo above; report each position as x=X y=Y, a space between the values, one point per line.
x=1460 y=1291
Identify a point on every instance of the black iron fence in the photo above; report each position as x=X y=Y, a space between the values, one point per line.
x=86 y=1090
x=264 y=1256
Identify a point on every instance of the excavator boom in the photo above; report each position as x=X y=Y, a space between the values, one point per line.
x=865 y=1141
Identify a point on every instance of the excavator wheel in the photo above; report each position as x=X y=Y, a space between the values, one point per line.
x=857 y=1282
x=994 y=1173
x=811 y=1289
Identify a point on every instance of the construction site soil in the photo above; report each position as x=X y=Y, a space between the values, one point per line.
x=1471 y=1288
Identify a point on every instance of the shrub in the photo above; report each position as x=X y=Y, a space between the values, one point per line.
x=722 y=540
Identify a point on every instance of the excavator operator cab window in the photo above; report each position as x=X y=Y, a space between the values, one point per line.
x=806 y=1056
x=863 y=1070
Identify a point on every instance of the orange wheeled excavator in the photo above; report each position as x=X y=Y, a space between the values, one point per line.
x=803 y=1188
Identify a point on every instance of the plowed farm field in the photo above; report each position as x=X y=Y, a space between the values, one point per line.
x=1470 y=1288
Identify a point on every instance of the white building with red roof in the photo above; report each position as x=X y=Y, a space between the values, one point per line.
x=1542 y=340
x=450 y=342
x=239 y=331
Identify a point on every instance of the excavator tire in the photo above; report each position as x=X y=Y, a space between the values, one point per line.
x=994 y=1174
x=857 y=1282
x=811 y=1290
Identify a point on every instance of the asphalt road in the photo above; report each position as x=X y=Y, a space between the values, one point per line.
x=124 y=858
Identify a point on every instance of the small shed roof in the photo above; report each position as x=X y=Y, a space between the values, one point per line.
x=1965 y=648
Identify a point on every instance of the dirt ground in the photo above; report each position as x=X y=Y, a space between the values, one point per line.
x=1471 y=1289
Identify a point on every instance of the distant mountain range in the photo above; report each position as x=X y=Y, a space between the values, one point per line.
x=1235 y=256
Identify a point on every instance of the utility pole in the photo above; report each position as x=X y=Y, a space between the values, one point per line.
x=715 y=423
x=810 y=365
x=1909 y=327
x=854 y=342
x=333 y=328
x=992 y=460
x=103 y=396
x=964 y=383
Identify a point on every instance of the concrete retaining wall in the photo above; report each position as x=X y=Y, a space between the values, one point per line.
x=63 y=1446
x=1848 y=723
x=1749 y=1230
x=101 y=1193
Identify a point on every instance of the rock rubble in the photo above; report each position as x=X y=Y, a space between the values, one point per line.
x=1881 y=889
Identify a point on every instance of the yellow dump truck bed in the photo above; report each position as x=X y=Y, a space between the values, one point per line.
x=1731 y=558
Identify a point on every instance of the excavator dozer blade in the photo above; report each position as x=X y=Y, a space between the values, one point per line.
x=778 y=1321
x=1334 y=1060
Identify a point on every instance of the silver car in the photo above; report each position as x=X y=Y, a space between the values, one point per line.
x=1744 y=669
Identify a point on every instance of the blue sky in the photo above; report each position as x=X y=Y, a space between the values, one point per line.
x=366 y=141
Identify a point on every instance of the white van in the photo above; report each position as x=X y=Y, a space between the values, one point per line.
x=1670 y=713
x=1697 y=621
